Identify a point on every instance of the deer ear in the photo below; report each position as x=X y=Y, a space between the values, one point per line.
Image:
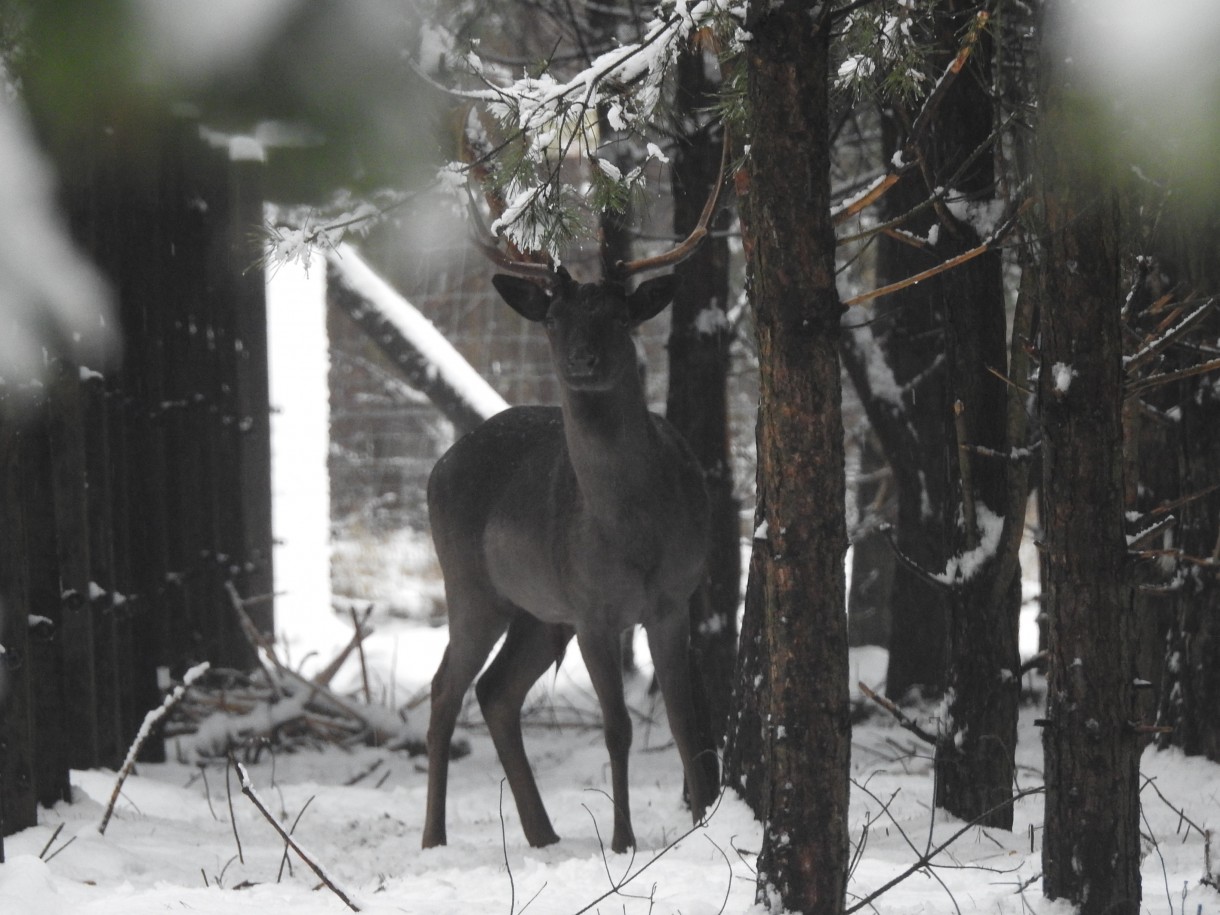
x=651 y=297
x=526 y=297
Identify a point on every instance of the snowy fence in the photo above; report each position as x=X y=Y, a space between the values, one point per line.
x=133 y=494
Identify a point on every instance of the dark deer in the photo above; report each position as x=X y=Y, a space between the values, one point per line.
x=581 y=519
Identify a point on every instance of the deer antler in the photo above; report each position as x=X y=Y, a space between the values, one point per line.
x=686 y=248
x=505 y=261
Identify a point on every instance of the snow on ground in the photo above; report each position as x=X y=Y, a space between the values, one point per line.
x=359 y=812
x=170 y=846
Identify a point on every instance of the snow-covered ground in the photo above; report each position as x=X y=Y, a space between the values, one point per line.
x=171 y=847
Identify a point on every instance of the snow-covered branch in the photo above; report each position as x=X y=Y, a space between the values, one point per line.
x=543 y=119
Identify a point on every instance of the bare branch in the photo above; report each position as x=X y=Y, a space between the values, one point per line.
x=247 y=788
x=926 y=859
x=900 y=716
x=1136 y=388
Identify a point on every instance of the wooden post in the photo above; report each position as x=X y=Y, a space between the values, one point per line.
x=17 y=788
x=70 y=497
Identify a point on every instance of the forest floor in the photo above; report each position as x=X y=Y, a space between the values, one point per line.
x=171 y=845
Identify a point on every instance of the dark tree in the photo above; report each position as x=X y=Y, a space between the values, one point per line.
x=975 y=758
x=1091 y=846
x=1188 y=265
x=798 y=639
x=698 y=374
x=948 y=423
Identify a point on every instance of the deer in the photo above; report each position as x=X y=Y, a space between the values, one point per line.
x=574 y=520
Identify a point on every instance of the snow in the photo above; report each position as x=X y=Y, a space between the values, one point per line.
x=170 y=846
x=881 y=381
x=965 y=566
x=848 y=202
x=1062 y=375
x=300 y=443
x=407 y=319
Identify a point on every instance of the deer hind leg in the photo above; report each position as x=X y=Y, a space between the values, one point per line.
x=530 y=647
x=469 y=646
x=669 y=643
x=602 y=652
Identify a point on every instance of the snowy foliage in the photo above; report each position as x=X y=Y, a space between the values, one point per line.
x=541 y=120
x=882 y=52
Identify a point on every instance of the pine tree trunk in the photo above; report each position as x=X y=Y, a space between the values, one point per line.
x=976 y=760
x=799 y=555
x=1190 y=683
x=1091 y=844
x=698 y=384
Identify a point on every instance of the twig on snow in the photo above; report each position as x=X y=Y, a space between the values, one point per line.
x=630 y=876
x=926 y=859
x=232 y=815
x=247 y=788
x=51 y=841
x=150 y=721
x=285 y=861
x=512 y=884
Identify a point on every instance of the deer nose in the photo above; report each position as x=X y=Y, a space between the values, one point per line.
x=582 y=361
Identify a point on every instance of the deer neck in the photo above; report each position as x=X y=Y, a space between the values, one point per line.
x=610 y=445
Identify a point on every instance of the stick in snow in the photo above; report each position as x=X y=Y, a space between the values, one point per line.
x=247 y=788
x=150 y=721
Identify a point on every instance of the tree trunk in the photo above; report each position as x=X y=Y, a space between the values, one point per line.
x=975 y=760
x=799 y=552
x=1091 y=845
x=1190 y=684
x=698 y=382
x=18 y=795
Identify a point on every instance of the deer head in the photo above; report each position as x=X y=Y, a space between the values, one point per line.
x=588 y=324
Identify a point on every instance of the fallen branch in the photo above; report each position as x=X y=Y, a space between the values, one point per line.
x=900 y=716
x=616 y=887
x=327 y=673
x=150 y=721
x=925 y=860
x=247 y=788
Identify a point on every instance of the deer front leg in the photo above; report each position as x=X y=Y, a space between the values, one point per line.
x=602 y=652
x=669 y=643
x=463 y=657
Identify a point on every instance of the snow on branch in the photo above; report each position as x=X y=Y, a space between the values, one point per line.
x=150 y=721
x=966 y=565
x=543 y=119
x=429 y=361
x=247 y=788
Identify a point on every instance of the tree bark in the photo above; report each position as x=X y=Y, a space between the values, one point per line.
x=1190 y=683
x=975 y=761
x=1091 y=845
x=798 y=560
